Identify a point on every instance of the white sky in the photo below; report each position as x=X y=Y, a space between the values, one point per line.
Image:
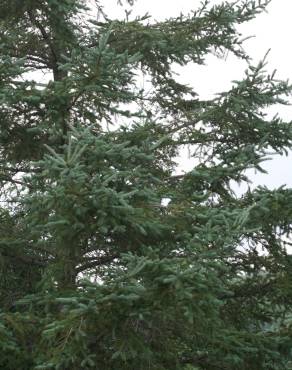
x=272 y=30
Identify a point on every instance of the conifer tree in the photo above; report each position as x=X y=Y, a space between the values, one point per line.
x=109 y=259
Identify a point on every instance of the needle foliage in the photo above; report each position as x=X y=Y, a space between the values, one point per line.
x=109 y=258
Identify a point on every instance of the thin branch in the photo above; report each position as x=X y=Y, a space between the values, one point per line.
x=18 y=182
x=98 y=262
x=45 y=36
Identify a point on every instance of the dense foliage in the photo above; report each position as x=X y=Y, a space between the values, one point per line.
x=109 y=259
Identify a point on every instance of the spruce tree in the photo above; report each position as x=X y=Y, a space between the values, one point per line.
x=109 y=259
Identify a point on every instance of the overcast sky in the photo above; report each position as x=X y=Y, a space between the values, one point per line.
x=272 y=30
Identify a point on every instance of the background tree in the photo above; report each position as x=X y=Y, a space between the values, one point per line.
x=96 y=271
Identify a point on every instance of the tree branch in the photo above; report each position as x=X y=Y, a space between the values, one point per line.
x=46 y=37
x=13 y=181
x=98 y=262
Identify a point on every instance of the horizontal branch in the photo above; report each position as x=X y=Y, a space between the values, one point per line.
x=95 y=263
x=13 y=181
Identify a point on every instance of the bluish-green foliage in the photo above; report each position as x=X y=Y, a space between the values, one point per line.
x=97 y=272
